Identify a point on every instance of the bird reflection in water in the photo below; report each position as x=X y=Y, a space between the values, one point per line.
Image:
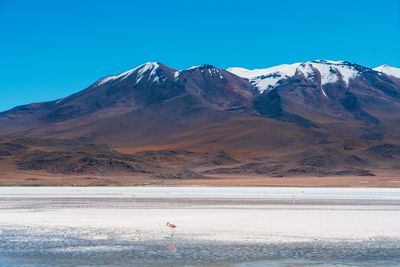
x=171 y=248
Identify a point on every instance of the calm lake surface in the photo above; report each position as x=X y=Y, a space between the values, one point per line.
x=49 y=247
x=55 y=227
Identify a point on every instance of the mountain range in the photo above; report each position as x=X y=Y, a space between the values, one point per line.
x=317 y=118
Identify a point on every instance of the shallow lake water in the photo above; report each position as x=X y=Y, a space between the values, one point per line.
x=222 y=227
x=69 y=247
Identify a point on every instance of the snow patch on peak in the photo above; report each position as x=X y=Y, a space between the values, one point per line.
x=193 y=67
x=176 y=74
x=151 y=66
x=330 y=72
x=331 y=62
x=282 y=70
x=389 y=70
x=265 y=79
x=206 y=68
x=60 y=100
x=383 y=67
x=241 y=72
x=106 y=79
x=141 y=70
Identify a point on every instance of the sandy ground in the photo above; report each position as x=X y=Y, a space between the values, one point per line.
x=45 y=179
x=9 y=176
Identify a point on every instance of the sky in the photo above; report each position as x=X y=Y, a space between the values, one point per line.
x=50 y=49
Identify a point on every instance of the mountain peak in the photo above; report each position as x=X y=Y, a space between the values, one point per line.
x=141 y=70
x=202 y=67
x=329 y=71
x=384 y=66
x=329 y=62
x=389 y=70
x=207 y=69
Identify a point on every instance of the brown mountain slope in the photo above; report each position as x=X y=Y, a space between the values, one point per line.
x=157 y=123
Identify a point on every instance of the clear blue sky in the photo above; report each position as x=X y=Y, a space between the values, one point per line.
x=49 y=49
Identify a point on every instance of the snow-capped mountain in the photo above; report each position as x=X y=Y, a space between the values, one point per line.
x=320 y=71
x=313 y=114
x=306 y=94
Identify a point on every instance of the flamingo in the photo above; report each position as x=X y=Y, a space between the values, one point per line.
x=172 y=227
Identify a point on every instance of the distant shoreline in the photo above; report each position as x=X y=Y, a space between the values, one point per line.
x=384 y=180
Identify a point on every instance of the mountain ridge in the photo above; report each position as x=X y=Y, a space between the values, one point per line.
x=382 y=69
x=316 y=118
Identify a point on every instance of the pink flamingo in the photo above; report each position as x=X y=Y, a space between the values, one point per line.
x=172 y=227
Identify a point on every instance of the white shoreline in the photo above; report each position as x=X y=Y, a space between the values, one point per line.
x=203 y=192
x=216 y=224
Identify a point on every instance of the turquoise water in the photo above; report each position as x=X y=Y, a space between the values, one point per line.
x=22 y=247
